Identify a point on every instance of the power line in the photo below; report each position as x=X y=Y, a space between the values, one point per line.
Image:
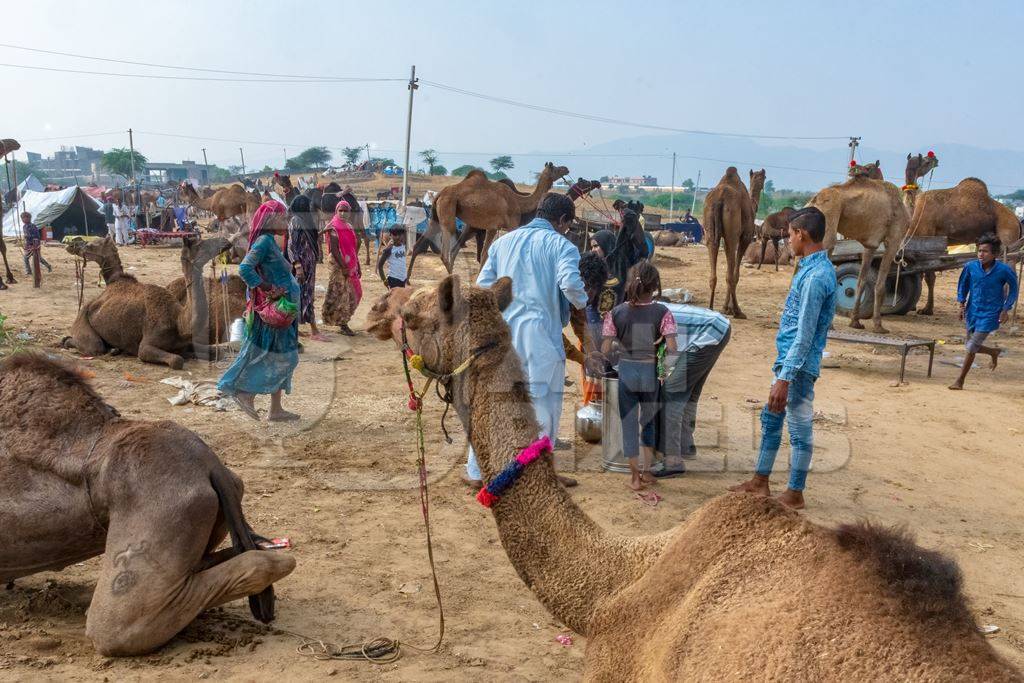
x=604 y=119
x=181 y=68
x=201 y=78
x=66 y=137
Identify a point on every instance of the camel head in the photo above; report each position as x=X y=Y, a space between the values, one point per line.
x=98 y=251
x=282 y=180
x=756 y=181
x=871 y=171
x=444 y=325
x=552 y=173
x=196 y=253
x=919 y=166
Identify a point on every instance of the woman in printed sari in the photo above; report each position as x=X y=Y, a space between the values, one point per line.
x=304 y=254
x=345 y=288
x=269 y=355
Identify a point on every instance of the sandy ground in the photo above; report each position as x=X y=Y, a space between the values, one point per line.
x=342 y=485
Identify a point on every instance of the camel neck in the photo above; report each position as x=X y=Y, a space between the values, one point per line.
x=568 y=561
x=111 y=271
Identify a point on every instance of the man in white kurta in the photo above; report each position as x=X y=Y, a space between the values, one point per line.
x=121 y=215
x=545 y=271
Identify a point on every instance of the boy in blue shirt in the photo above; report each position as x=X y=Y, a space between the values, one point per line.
x=803 y=331
x=986 y=292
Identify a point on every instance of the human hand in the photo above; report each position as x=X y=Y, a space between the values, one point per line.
x=961 y=312
x=778 y=396
x=1004 y=316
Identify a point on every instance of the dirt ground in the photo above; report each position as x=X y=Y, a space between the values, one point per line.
x=342 y=486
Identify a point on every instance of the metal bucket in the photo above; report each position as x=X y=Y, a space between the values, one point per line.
x=611 y=428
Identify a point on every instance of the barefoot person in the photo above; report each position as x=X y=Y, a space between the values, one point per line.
x=345 y=288
x=269 y=355
x=639 y=325
x=803 y=330
x=986 y=293
x=545 y=271
x=304 y=253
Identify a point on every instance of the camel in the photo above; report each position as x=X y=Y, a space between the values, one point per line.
x=869 y=211
x=729 y=212
x=9 y=276
x=142 y=319
x=78 y=481
x=485 y=205
x=713 y=598
x=227 y=202
x=917 y=167
x=773 y=229
x=961 y=214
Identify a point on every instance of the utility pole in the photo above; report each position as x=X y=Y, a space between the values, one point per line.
x=242 y=154
x=206 y=164
x=367 y=152
x=285 y=153
x=672 y=194
x=854 y=142
x=693 y=205
x=413 y=85
x=135 y=180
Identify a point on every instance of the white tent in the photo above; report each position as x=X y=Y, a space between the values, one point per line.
x=31 y=183
x=46 y=206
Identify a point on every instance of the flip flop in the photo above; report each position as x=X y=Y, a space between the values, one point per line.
x=320 y=337
x=648 y=498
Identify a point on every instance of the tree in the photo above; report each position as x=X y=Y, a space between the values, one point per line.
x=429 y=157
x=216 y=174
x=688 y=184
x=502 y=163
x=317 y=157
x=438 y=170
x=1018 y=195
x=464 y=170
x=352 y=154
x=235 y=170
x=24 y=170
x=769 y=187
x=267 y=169
x=118 y=161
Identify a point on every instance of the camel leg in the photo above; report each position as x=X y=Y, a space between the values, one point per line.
x=464 y=237
x=148 y=589
x=883 y=273
x=84 y=338
x=488 y=240
x=7 y=268
x=713 y=245
x=481 y=238
x=865 y=266
x=929 y=307
x=776 y=243
x=422 y=245
x=151 y=354
x=764 y=249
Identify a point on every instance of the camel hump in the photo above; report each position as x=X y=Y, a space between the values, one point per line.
x=928 y=582
x=731 y=172
x=973 y=180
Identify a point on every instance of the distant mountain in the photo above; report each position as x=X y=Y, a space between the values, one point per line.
x=789 y=166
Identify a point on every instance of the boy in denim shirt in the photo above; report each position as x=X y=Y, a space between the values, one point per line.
x=803 y=330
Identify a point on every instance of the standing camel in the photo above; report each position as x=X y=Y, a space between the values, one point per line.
x=713 y=598
x=773 y=229
x=961 y=214
x=485 y=205
x=869 y=211
x=729 y=212
x=78 y=481
x=226 y=203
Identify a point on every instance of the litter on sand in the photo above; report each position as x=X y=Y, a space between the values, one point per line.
x=564 y=639
x=988 y=629
x=204 y=393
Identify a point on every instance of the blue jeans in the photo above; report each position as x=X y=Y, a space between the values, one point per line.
x=638 y=405
x=799 y=416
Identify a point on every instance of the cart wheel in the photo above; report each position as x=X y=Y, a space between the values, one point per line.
x=906 y=298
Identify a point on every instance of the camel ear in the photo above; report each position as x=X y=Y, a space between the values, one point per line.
x=502 y=292
x=449 y=295
x=908 y=156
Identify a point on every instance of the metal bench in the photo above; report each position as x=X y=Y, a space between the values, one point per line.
x=904 y=345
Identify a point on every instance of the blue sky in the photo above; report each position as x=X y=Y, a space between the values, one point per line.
x=901 y=74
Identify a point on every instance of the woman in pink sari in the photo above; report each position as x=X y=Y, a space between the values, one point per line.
x=345 y=288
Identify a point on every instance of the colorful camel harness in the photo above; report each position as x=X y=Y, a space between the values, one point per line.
x=490 y=494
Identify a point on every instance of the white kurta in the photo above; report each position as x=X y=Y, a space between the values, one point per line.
x=121 y=216
x=545 y=271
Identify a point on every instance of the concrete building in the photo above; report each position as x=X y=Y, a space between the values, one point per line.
x=168 y=172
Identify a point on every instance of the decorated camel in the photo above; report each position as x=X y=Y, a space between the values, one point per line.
x=713 y=598
x=729 y=212
x=869 y=211
x=78 y=481
x=961 y=214
x=485 y=205
x=146 y=320
x=773 y=229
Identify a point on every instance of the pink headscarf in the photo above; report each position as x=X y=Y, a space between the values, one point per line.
x=260 y=217
x=348 y=245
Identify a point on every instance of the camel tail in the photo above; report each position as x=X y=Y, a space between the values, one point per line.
x=242 y=537
x=713 y=222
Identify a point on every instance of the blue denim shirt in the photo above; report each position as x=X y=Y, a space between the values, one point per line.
x=806 y=317
x=987 y=294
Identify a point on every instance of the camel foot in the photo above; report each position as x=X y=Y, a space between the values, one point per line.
x=794 y=500
x=176 y=363
x=856 y=324
x=756 y=485
x=927 y=310
x=739 y=315
x=878 y=329
x=567 y=482
x=2 y=285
